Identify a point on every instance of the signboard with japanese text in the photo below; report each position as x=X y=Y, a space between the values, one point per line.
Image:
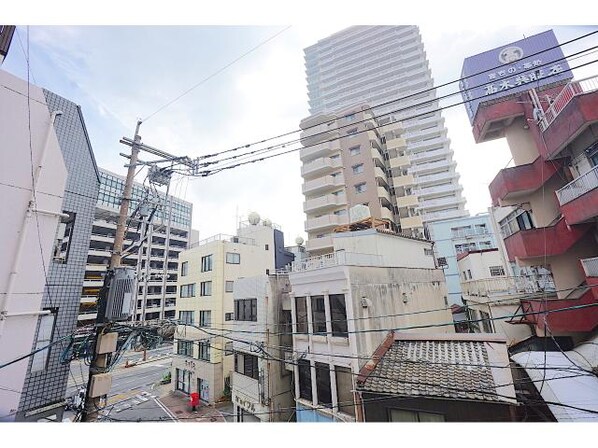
x=532 y=62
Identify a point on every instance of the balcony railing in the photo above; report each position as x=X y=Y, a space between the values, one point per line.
x=223 y=237
x=340 y=258
x=590 y=266
x=498 y=286
x=570 y=91
x=578 y=187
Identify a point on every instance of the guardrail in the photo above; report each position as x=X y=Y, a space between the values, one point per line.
x=579 y=186
x=590 y=266
x=495 y=286
x=339 y=258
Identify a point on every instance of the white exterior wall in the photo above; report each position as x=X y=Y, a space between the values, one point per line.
x=479 y=263
x=22 y=265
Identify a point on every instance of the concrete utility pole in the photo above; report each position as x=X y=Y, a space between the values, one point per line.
x=99 y=362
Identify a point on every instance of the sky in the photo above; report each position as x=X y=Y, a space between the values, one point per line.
x=120 y=71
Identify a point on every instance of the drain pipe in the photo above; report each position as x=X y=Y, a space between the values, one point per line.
x=5 y=298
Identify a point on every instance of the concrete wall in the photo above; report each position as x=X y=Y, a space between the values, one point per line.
x=479 y=263
x=24 y=128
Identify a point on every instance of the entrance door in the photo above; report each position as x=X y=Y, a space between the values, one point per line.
x=204 y=389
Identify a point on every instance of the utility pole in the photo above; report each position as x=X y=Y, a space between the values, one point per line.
x=99 y=362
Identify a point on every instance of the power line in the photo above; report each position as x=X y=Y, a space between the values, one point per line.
x=403 y=98
x=215 y=73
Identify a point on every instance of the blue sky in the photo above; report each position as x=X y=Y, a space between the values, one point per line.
x=121 y=73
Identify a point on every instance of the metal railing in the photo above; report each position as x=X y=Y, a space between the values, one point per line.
x=340 y=258
x=224 y=237
x=590 y=266
x=579 y=186
x=508 y=285
x=570 y=91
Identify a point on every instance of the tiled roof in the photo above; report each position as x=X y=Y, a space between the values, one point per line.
x=449 y=369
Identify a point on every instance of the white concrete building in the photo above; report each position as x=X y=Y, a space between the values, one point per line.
x=262 y=388
x=32 y=181
x=385 y=68
x=207 y=274
x=344 y=304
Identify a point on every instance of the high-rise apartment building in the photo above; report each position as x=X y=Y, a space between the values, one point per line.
x=167 y=234
x=359 y=80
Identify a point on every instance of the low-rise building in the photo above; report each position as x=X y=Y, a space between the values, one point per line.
x=262 y=386
x=343 y=305
x=205 y=308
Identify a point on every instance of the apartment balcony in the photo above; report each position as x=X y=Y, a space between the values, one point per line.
x=418 y=123
x=96 y=267
x=327 y=202
x=385 y=213
x=99 y=253
x=432 y=167
x=579 y=198
x=423 y=144
x=313 y=151
x=570 y=321
x=442 y=202
x=384 y=194
x=318 y=134
x=430 y=155
x=399 y=162
x=319 y=167
x=403 y=181
x=340 y=258
x=377 y=155
x=323 y=184
x=319 y=244
x=544 y=241
x=381 y=174
x=412 y=222
x=432 y=191
x=572 y=111
x=325 y=222
x=499 y=287
x=93 y=283
x=435 y=178
x=407 y=201
x=513 y=183
x=446 y=214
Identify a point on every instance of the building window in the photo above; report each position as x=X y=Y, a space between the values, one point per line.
x=355 y=150
x=304 y=379
x=64 y=236
x=323 y=384
x=428 y=252
x=357 y=169
x=246 y=310
x=267 y=247
x=246 y=364
x=45 y=332
x=184 y=348
x=183 y=380
x=205 y=289
x=233 y=258
x=352 y=132
x=184 y=268
x=228 y=286
x=204 y=350
x=469 y=273
x=228 y=348
x=344 y=388
x=350 y=117
x=486 y=322
x=206 y=263
x=301 y=313
x=318 y=315
x=186 y=317
x=338 y=315
x=229 y=316
x=400 y=415
x=361 y=188
x=496 y=271
x=205 y=318
x=188 y=290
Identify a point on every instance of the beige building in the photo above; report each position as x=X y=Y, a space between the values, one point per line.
x=343 y=305
x=375 y=134
x=262 y=388
x=207 y=274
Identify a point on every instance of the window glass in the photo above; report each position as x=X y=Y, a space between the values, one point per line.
x=44 y=337
x=344 y=386
x=206 y=263
x=206 y=289
x=229 y=286
x=304 y=379
x=184 y=268
x=233 y=258
x=205 y=318
x=318 y=315
x=361 y=188
x=338 y=315
x=301 y=313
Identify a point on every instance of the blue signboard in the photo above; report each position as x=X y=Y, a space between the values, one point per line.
x=532 y=62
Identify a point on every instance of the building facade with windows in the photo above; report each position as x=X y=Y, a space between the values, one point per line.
x=30 y=216
x=382 y=69
x=205 y=307
x=48 y=373
x=166 y=236
x=457 y=236
x=262 y=386
x=343 y=304
x=552 y=191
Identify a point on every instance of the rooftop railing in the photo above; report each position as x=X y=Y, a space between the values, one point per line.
x=340 y=258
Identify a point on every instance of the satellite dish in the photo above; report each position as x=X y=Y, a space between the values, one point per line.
x=253 y=218
x=299 y=241
x=267 y=222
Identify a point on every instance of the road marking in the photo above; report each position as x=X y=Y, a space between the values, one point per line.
x=166 y=410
